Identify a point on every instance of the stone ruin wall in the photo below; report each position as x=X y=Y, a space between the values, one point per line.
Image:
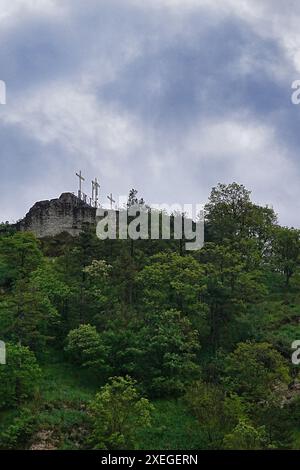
x=65 y=214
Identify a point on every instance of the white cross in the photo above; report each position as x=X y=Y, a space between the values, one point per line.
x=81 y=178
x=95 y=192
x=110 y=198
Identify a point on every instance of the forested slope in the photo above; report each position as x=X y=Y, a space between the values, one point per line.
x=120 y=345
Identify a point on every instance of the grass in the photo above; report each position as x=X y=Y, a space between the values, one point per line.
x=66 y=392
x=63 y=398
x=172 y=428
x=62 y=383
x=57 y=417
x=59 y=411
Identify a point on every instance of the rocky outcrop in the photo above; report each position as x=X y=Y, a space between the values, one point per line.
x=66 y=214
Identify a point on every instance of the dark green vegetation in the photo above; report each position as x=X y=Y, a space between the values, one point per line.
x=123 y=345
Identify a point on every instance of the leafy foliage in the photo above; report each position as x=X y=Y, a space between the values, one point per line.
x=19 y=377
x=118 y=415
x=205 y=335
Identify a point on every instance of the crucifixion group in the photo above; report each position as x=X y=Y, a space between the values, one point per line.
x=94 y=199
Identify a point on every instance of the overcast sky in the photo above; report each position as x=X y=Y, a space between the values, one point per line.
x=167 y=96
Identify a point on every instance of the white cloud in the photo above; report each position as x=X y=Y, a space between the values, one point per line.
x=79 y=123
x=107 y=138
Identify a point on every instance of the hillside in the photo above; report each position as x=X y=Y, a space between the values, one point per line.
x=123 y=344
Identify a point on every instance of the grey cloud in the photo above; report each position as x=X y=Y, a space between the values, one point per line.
x=166 y=96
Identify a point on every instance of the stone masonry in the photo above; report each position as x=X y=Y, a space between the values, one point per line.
x=66 y=214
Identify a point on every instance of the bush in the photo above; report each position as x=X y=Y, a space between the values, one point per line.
x=17 y=434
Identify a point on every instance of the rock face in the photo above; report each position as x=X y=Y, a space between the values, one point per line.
x=65 y=214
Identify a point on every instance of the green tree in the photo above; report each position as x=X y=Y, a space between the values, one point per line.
x=133 y=199
x=169 y=360
x=230 y=290
x=258 y=373
x=171 y=281
x=20 y=254
x=27 y=315
x=86 y=349
x=158 y=350
x=48 y=280
x=97 y=293
x=246 y=437
x=286 y=251
x=19 y=377
x=119 y=414
x=231 y=216
x=205 y=401
x=215 y=412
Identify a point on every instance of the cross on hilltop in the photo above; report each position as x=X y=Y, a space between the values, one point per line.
x=95 y=191
x=81 y=178
x=110 y=198
x=94 y=199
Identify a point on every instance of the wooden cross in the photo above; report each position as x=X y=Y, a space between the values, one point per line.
x=110 y=198
x=81 y=178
